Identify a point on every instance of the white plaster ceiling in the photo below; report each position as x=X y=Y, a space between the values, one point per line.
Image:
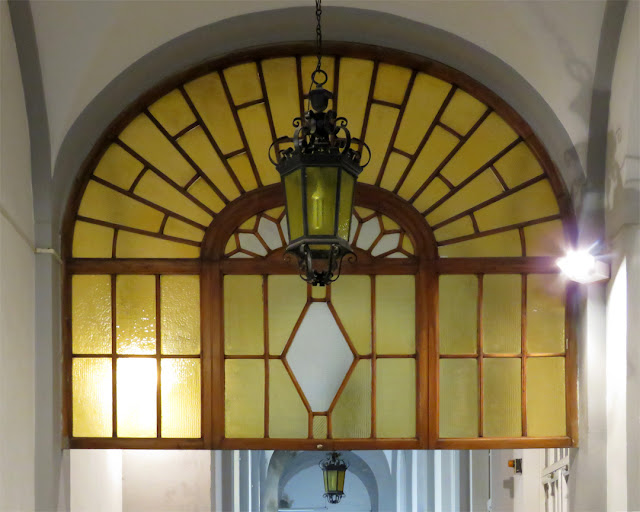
x=85 y=45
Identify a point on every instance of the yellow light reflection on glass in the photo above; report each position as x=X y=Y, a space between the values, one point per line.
x=136 y=314
x=91 y=391
x=180 y=391
x=136 y=396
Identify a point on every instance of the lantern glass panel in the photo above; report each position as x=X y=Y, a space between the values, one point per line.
x=347 y=182
x=322 y=186
x=293 y=193
x=331 y=480
x=341 y=475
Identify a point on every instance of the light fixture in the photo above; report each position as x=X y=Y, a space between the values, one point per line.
x=319 y=175
x=333 y=472
x=581 y=266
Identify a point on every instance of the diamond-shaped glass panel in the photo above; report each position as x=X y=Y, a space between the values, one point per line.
x=319 y=356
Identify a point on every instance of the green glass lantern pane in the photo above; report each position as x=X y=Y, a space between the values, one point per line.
x=322 y=187
x=325 y=475
x=341 y=475
x=293 y=193
x=347 y=183
x=332 y=479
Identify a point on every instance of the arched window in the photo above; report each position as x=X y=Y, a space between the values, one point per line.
x=186 y=327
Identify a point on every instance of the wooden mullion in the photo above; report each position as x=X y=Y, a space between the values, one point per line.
x=67 y=347
x=502 y=443
x=265 y=327
x=523 y=362
x=385 y=103
x=213 y=315
x=474 y=222
x=403 y=153
x=444 y=180
x=374 y=355
x=448 y=128
x=133 y=266
x=296 y=384
x=367 y=111
x=186 y=130
x=571 y=370
x=499 y=177
x=163 y=225
x=138 y=178
x=423 y=291
x=343 y=385
x=502 y=265
x=523 y=241
x=114 y=243
x=158 y=358
x=432 y=351
x=300 y=89
x=336 y=77
x=114 y=384
x=480 y=349
x=252 y=102
x=395 y=356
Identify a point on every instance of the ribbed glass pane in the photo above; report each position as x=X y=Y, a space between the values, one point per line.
x=352 y=414
x=545 y=314
x=91 y=314
x=396 y=398
x=136 y=397
x=92 y=402
x=458 y=314
x=293 y=191
x=243 y=315
x=287 y=297
x=502 y=398
x=244 y=398
x=546 y=413
x=395 y=315
x=180 y=389
x=288 y=417
x=347 y=183
x=322 y=187
x=458 y=398
x=319 y=427
x=180 y=314
x=501 y=313
x=135 y=314
x=351 y=298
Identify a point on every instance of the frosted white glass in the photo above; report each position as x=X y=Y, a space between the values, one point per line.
x=387 y=243
x=269 y=233
x=368 y=233
x=251 y=243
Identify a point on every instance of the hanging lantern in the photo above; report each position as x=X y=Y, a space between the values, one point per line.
x=333 y=471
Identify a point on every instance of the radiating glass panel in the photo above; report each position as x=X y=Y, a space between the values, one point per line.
x=347 y=183
x=180 y=229
x=181 y=397
x=244 y=398
x=241 y=166
x=393 y=171
x=391 y=83
x=545 y=239
x=351 y=298
x=546 y=413
x=458 y=314
x=135 y=314
x=287 y=297
x=319 y=427
x=498 y=245
x=322 y=185
x=118 y=167
x=351 y=417
x=243 y=82
x=518 y=165
x=501 y=313
x=395 y=315
x=293 y=191
x=281 y=81
x=502 y=398
x=243 y=315
x=355 y=80
x=134 y=245
x=92 y=241
x=136 y=397
x=91 y=314
x=458 y=398
x=256 y=129
x=288 y=417
x=92 y=399
x=205 y=194
x=180 y=314
x=462 y=112
x=380 y=126
x=396 y=398
x=545 y=314
x=173 y=112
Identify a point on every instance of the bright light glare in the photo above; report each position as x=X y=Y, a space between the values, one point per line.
x=582 y=267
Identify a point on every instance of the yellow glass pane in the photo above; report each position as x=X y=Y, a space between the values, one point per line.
x=425 y=100
x=501 y=313
x=207 y=94
x=395 y=315
x=244 y=398
x=527 y=204
x=458 y=398
x=308 y=65
x=382 y=121
x=322 y=184
x=388 y=224
x=394 y=170
x=91 y=314
x=455 y=229
x=133 y=245
x=195 y=143
x=546 y=239
x=319 y=292
x=144 y=138
x=351 y=297
x=102 y=203
x=407 y=245
x=545 y=314
x=243 y=315
x=281 y=80
x=502 y=398
x=91 y=392
x=205 y=194
x=175 y=227
x=391 y=83
x=347 y=184
x=293 y=191
x=319 y=427
x=256 y=128
x=351 y=417
x=155 y=189
x=287 y=297
x=180 y=314
x=458 y=314
x=489 y=139
x=501 y=244
x=355 y=80
x=396 y=398
x=250 y=223
x=241 y=167
x=288 y=417
x=275 y=213
x=435 y=191
x=136 y=397
x=243 y=82
x=231 y=245
x=518 y=166
x=135 y=314
x=173 y=112
x=181 y=396
x=92 y=241
x=546 y=413
x=118 y=167
x=462 y=112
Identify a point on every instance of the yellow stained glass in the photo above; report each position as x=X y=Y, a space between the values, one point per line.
x=391 y=83
x=243 y=82
x=135 y=314
x=319 y=427
x=546 y=413
x=256 y=128
x=546 y=239
x=389 y=224
x=500 y=244
x=288 y=417
x=180 y=314
x=462 y=112
x=287 y=297
x=395 y=315
x=382 y=121
x=293 y=187
x=133 y=245
x=118 y=167
x=319 y=292
x=275 y=213
x=321 y=185
x=91 y=314
x=435 y=191
x=351 y=297
x=231 y=245
x=92 y=241
x=455 y=229
x=407 y=245
x=136 y=397
x=180 y=390
x=363 y=212
x=396 y=398
x=502 y=398
x=205 y=194
x=243 y=315
x=347 y=184
x=394 y=170
x=244 y=398
x=545 y=314
x=501 y=313
x=351 y=417
x=518 y=166
x=91 y=391
x=281 y=81
x=177 y=228
x=458 y=398
x=458 y=314
x=173 y=112
x=355 y=80
x=244 y=172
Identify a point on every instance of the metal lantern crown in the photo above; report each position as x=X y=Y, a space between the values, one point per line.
x=333 y=471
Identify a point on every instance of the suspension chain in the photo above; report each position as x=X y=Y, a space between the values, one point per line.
x=319 y=33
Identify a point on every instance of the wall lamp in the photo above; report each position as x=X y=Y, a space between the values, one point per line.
x=583 y=267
